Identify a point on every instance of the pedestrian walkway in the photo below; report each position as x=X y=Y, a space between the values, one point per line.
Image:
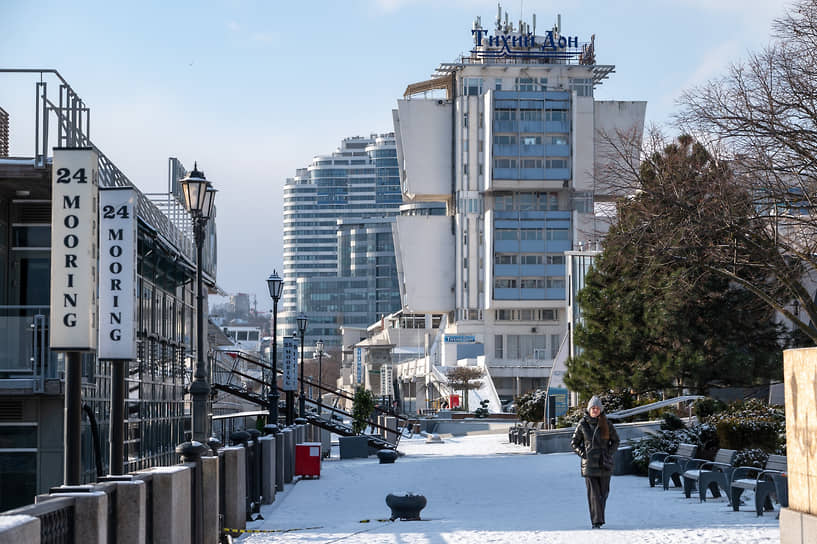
x=481 y=489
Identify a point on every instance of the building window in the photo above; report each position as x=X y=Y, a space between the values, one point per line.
x=504 y=139
x=498 y=87
x=558 y=234
x=531 y=259
x=504 y=115
x=503 y=202
x=472 y=86
x=507 y=234
x=556 y=163
x=531 y=283
x=504 y=259
x=504 y=163
x=531 y=140
x=555 y=282
x=532 y=163
x=525 y=201
x=582 y=86
x=555 y=340
x=530 y=115
x=555 y=259
x=556 y=115
x=531 y=234
x=498 y=346
x=505 y=283
x=530 y=84
x=558 y=139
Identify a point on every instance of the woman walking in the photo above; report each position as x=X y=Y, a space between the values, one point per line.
x=595 y=441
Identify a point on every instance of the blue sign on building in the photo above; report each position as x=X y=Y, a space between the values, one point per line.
x=459 y=338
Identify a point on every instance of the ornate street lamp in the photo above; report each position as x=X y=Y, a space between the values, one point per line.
x=199 y=197
x=302 y=320
x=319 y=349
x=276 y=287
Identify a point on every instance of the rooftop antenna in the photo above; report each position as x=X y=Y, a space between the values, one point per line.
x=559 y=23
x=498 y=16
x=534 y=24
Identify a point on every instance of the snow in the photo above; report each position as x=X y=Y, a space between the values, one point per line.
x=481 y=489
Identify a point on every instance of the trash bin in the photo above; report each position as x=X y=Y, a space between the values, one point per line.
x=308 y=459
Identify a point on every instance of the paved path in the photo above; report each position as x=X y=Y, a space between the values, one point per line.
x=481 y=489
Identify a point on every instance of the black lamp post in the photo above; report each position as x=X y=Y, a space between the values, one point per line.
x=319 y=348
x=199 y=197
x=302 y=320
x=276 y=286
x=291 y=394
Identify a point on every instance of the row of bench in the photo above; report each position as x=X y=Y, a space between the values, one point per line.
x=721 y=474
x=521 y=433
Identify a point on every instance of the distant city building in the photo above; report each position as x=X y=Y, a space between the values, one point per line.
x=339 y=266
x=508 y=138
x=240 y=304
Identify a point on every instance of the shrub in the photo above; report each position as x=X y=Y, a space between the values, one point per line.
x=738 y=434
x=531 y=406
x=671 y=422
x=751 y=425
x=703 y=436
x=751 y=458
x=362 y=408
x=707 y=407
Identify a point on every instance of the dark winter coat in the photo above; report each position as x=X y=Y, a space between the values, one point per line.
x=596 y=453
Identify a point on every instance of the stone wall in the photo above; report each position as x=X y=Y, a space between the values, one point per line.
x=798 y=522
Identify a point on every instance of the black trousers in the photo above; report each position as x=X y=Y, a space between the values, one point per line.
x=598 y=487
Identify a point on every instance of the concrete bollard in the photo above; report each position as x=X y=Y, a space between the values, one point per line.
x=279 y=462
x=171 y=504
x=381 y=420
x=131 y=511
x=326 y=443
x=90 y=515
x=391 y=425
x=289 y=454
x=235 y=488
x=210 y=506
x=267 y=446
x=20 y=528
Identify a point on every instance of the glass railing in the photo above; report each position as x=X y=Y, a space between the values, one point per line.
x=24 y=337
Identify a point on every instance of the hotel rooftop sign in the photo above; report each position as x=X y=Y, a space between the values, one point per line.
x=551 y=46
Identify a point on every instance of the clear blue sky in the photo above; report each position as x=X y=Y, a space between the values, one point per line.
x=253 y=89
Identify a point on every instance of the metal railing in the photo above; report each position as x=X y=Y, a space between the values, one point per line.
x=56 y=519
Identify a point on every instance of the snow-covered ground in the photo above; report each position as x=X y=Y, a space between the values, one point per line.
x=481 y=489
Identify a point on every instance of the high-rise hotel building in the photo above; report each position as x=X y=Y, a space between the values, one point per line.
x=339 y=266
x=510 y=138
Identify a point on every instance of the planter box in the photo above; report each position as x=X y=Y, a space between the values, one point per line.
x=352 y=447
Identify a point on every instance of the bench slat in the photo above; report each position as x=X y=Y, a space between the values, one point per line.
x=725 y=456
x=686 y=450
x=777 y=462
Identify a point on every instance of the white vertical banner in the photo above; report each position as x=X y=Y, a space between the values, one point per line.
x=290 y=381
x=386 y=379
x=359 y=365
x=117 y=273
x=74 y=236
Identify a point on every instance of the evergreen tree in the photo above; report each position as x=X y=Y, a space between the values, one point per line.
x=656 y=318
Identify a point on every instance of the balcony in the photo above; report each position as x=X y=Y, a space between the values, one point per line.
x=26 y=361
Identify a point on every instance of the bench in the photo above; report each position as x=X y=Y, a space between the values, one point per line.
x=515 y=432
x=712 y=475
x=531 y=431
x=670 y=466
x=771 y=480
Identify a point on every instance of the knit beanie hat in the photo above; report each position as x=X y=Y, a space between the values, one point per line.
x=595 y=401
